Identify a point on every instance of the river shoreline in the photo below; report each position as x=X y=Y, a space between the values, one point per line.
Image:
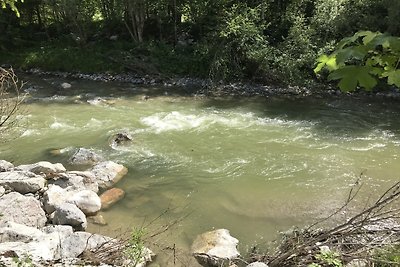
x=205 y=87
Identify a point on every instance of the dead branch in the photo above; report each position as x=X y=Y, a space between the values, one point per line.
x=374 y=227
x=10 y=99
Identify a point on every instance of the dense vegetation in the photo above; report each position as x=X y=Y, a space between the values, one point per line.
x=267 y=41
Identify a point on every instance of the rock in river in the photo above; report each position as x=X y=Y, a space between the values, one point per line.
x=110 y=197
x=107 y=173
x=215 y=248
x=84 y=156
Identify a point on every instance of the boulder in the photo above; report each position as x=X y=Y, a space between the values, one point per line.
x=110 y=197
x=77 y=180
x=69 y=214
x=15 y=232
x=22 y=181
x=215 y=248
x=87 y=201
x=84 y=156
x=120 y=139
x=21 y=209
x=97 y=219
x=2 y=191
x=107 y=173
x=74 y=245
x=5 y=166
x=49 y=170
x=55 y=243
x=53 y=197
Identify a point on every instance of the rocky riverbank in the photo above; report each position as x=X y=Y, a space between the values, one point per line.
x=44 y=211
x=208 y=88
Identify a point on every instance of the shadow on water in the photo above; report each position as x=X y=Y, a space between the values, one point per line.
x=336 y=117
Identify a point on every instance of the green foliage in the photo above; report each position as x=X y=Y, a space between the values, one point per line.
x=25 y=261
x=327 y=258
x=11 y=4
x=135 y=248
x=362 y=60
x=387 y=257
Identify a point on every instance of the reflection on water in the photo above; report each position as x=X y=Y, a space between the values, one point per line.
x=253 y=166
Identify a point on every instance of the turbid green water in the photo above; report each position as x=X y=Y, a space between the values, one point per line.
x=254 y=166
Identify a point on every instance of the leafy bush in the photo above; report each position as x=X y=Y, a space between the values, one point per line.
x=362 y=60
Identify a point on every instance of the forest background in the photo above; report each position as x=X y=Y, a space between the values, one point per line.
x=265 y=41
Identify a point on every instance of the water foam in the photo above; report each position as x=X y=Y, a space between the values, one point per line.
x=177 y=121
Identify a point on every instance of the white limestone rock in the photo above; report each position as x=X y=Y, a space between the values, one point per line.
x=49 y=170
x=86 y=200
x=15 y=232
x=215 y=248
x=22 y=181
x=66 y=85
x=22 y=209
x=77 y=180
x=84 y=156
x=108 y=173
x=69 y=214
x=5 y=166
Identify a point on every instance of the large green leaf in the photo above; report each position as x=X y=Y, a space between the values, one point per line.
x=328 y=61
x=351 y=52
x=351 y=76
x=393 y=77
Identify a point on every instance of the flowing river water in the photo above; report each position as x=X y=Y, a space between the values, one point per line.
x=255 y=166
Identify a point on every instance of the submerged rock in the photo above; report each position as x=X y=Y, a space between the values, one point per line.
x=22 y=181
x=110 y=197
x=84 y=156
x=215 y=248
x=22 y=209
x=97 y=219
x=107 y=173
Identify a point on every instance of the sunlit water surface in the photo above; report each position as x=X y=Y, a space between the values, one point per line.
x=255 y=166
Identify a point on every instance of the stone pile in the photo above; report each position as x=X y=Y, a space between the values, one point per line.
x=44 y=210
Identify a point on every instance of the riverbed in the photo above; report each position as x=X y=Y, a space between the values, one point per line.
x=255 y=166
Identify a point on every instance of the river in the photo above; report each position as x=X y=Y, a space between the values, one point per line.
x=255 y=166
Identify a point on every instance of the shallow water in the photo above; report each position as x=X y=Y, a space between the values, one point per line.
x=255 y=166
